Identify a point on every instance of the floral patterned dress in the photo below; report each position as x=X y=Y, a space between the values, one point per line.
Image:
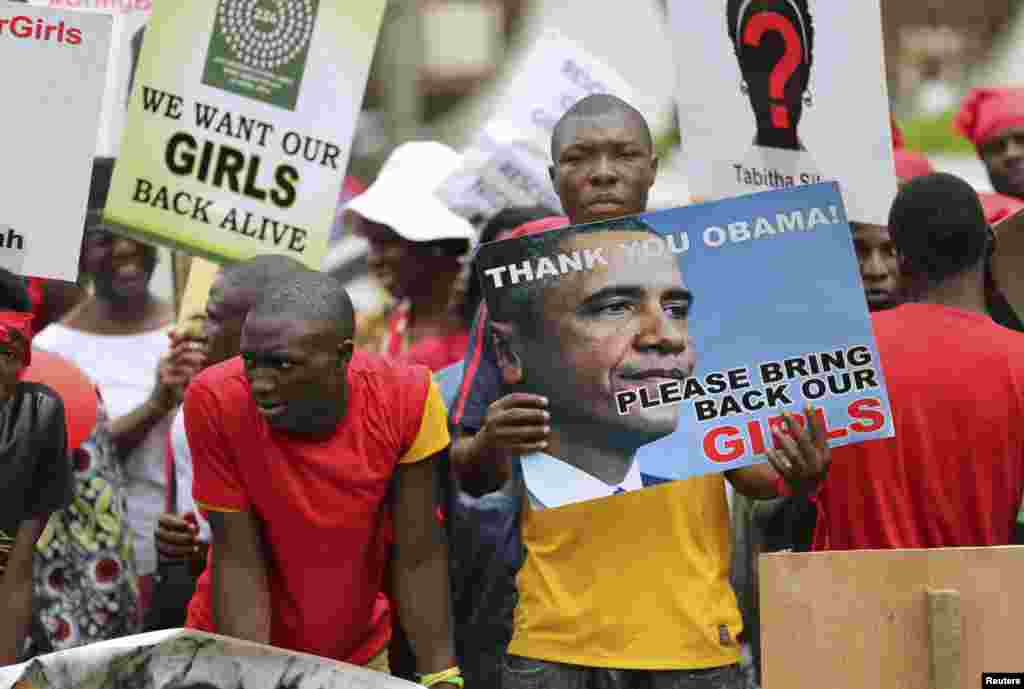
x=85 y=581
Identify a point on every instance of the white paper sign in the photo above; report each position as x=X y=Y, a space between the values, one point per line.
x=54 y=73
x=128 y=17
x=507 y=164
x=497 y=174
x=777 y=93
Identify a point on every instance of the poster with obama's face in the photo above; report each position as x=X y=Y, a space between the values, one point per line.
x=668 y=345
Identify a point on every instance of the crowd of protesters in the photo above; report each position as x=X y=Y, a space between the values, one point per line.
x=268 y=478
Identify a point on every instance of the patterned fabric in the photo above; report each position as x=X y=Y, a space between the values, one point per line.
x=86 y=588
x=6 y=545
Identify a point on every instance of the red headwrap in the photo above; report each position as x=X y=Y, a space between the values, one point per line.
x=987 y=112
x=999 y=207
x=15 y=324
x=536 y=227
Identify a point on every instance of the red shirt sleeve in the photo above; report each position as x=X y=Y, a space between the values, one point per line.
x=217 y=483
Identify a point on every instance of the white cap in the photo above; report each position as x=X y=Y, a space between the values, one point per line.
x=402 y=197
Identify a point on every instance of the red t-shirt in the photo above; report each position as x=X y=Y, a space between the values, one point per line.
x=953 y=474
x=323 y=505
x=435 y=352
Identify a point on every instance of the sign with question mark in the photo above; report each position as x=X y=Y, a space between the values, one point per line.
x=782 y=93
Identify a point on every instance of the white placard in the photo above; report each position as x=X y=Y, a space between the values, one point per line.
x=776 y=93
x=55 y=70
x=128 y=17
x=507 y=164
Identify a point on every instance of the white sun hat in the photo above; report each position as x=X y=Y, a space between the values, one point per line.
x=402 y=197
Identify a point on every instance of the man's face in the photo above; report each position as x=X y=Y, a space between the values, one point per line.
x=297 y=372
x=1003 y=156
x=613 y=328
x=12 y=361
x=879 y=265
x=403 y=268
x=604 y=167
x=226 y=308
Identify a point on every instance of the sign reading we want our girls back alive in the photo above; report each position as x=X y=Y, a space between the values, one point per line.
x=239 y=125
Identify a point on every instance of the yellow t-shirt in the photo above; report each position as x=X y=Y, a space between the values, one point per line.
x=639 y=581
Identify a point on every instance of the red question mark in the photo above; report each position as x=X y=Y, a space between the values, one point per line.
x=760 y=24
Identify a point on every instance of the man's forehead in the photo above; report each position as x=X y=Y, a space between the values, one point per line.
x=865 y=231
x=232 y=295
x=613 y=126
x=278 y=332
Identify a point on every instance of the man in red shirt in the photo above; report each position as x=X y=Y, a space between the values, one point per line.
x=953 y=474
x=315 y=467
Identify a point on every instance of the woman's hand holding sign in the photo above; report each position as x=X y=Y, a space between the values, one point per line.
x=801 y=456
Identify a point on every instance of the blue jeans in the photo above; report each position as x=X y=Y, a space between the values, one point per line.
x=528 y=673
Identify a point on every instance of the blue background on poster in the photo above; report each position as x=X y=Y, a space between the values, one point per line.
x=780 y=296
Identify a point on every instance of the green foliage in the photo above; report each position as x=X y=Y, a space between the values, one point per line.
x=664 y=143
x=934 y=134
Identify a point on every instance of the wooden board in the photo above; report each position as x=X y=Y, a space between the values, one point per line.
x=857 y=619
x=201 y=276
x=1008 y=261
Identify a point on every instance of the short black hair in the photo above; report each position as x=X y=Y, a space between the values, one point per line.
x=309 y=296
x=939 y=227
x=14 y=293
x=798 y=7
x=595 y=105
x=518 y=303
x=255 y=275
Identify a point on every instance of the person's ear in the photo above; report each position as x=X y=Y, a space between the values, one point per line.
x=345 y=350
x=553 y=174
x=506 y=347
x=654 y=170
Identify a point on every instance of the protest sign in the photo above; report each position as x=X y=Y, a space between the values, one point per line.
x=677 y=338
x=239 y=125
x=178 y=658
x=777 y=93
x=922 y=618
x=55 y=71
x=127 y=17
x=507 y=163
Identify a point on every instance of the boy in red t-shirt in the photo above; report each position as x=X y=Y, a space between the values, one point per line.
x=315 y=468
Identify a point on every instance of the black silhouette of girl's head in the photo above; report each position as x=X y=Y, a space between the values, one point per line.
x=774 y=44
